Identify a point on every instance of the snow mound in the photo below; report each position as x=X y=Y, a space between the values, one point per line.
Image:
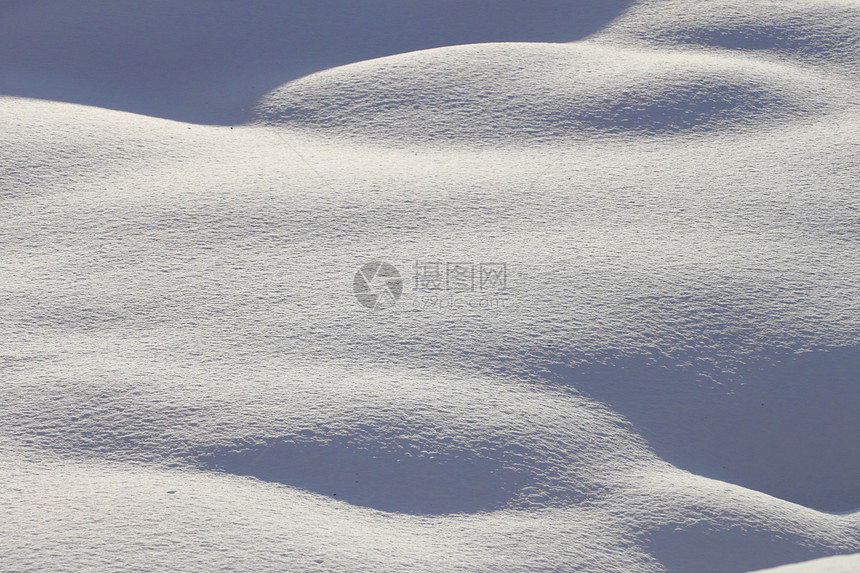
x=531 y=92
x=462 y=448
x=667 y=380
x=812 y=31
x=182 y=334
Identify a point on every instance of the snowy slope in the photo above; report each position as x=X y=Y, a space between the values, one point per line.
x=839 y=564
x=523 y=94
x=669 y=382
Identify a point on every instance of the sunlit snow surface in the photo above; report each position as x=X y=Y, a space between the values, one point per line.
x=669 y=381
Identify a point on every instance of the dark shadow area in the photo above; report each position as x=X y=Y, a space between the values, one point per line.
x=788 y=427
x=211 y=61
x=372 y=476
x=816 y=32
x=702 y=549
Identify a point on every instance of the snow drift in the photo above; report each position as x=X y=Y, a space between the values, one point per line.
x=668 y=382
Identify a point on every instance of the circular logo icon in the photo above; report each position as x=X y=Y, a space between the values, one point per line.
x=377 y=285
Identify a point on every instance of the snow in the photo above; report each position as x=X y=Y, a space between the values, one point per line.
x=839 y=564
x=667 y=382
